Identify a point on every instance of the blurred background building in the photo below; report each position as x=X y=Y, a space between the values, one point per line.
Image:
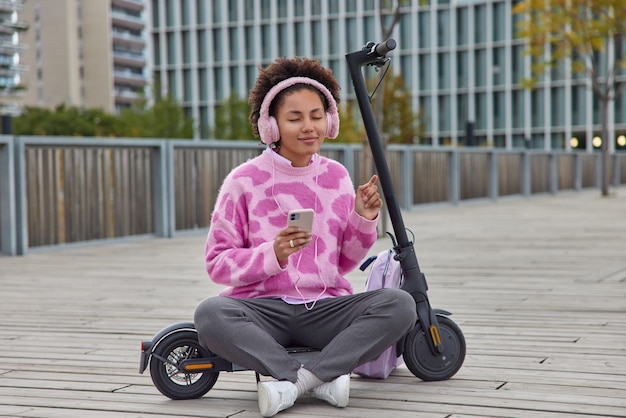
x=90 y=54
x=460 y=59
x=12 y=70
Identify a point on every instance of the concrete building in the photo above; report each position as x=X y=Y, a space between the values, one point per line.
x=11 y=48
x=90 y=54
x=459 y=58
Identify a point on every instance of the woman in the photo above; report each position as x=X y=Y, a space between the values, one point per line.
x=286 y=287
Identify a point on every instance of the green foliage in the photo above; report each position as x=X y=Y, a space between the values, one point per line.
x=351 y=128
x=165 y=119
x=400 y=123
x=231 y=120
x=576 y=30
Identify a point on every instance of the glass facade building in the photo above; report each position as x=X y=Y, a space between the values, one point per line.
x=460 y=59
x=11 y=48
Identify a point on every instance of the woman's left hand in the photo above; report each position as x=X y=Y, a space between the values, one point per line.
x=368 y=201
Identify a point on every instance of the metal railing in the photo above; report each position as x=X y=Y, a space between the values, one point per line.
x=58 y=190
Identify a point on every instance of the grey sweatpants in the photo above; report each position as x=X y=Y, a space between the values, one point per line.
x=348 y=331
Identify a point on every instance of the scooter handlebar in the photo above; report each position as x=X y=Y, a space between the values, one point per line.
x=382 y=48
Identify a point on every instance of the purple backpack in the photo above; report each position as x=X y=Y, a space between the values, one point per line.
x=385 y=273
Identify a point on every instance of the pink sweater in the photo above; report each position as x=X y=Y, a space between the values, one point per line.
x=249 y=213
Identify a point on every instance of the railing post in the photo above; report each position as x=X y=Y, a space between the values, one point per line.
x=578 y=172
x=7 y=199
x=526 y=174
x=455 y=176
x=553 y=170
x=348 y=160
x=494 y=181
x=407 y=178
x=21 y=201
x=161 y=190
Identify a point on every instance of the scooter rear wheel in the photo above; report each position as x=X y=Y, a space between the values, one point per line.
x=421 y=361
x=165 y=372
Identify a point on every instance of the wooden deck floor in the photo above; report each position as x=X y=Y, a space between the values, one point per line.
x=538 y=286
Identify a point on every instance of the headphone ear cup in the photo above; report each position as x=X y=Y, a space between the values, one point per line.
x=273 y=132
x=268 y=130
x=332 y=125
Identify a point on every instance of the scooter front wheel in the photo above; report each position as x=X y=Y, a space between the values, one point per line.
x=166 y=375
x=421 y=361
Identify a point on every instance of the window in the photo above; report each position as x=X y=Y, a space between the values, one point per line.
x=234 y=80
x=333 y=34
x=233 y=10
x=187 y=92
x=250 y=43
x=201 y=12
x=537 y=108
x=499 y=108
x=218 y=51
x=443 y=28
x=233 y=43
x=218 y=82
x=184 y=12
x=481 y=111
x=155 y=14
x=480 y=65
x=443 y=70
x=186 y=47
x=518 y=109
x=201 y=42
x=301 y=47
x=406 y=41
x=480 y=24
x=423 y=27
x=156 y=42
x=557 y=107
x=499 y=21
x=462 y=69
x=266 y=9
x=316 y=8
x=283 y=40
x=203 y=84
x=498 y=62
x=351 y=35
x=217 y=11
x=406 y=63
x=462 y=31
x=316 y=38
x=171 y=84
x=170 y=13
x=282 y=8
x=425 y=74
x=248 y=7
x=171 y=48
x=517 y=64
x=266 y=42
x=444 y=113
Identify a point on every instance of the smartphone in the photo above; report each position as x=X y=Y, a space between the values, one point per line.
x=302 y=218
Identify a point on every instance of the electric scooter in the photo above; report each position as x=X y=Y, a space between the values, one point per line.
x=433 y=350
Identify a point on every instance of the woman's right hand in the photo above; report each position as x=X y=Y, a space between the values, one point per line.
x=289 y=241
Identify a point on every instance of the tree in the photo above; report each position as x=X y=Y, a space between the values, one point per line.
x=581 y=33
x=400 y=123
x=231 y=119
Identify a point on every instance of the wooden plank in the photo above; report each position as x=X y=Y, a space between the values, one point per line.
x=535 y=284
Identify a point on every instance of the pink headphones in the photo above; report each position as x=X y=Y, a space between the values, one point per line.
x=268 y=127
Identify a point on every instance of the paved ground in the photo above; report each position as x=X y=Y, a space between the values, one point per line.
x=538 y=286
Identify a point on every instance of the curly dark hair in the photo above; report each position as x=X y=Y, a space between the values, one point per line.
x=282 y=69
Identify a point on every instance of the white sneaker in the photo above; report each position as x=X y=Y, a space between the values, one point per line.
x=336 y=393
x=275 y=396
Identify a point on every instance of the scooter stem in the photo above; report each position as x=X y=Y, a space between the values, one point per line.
x=414 y=280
